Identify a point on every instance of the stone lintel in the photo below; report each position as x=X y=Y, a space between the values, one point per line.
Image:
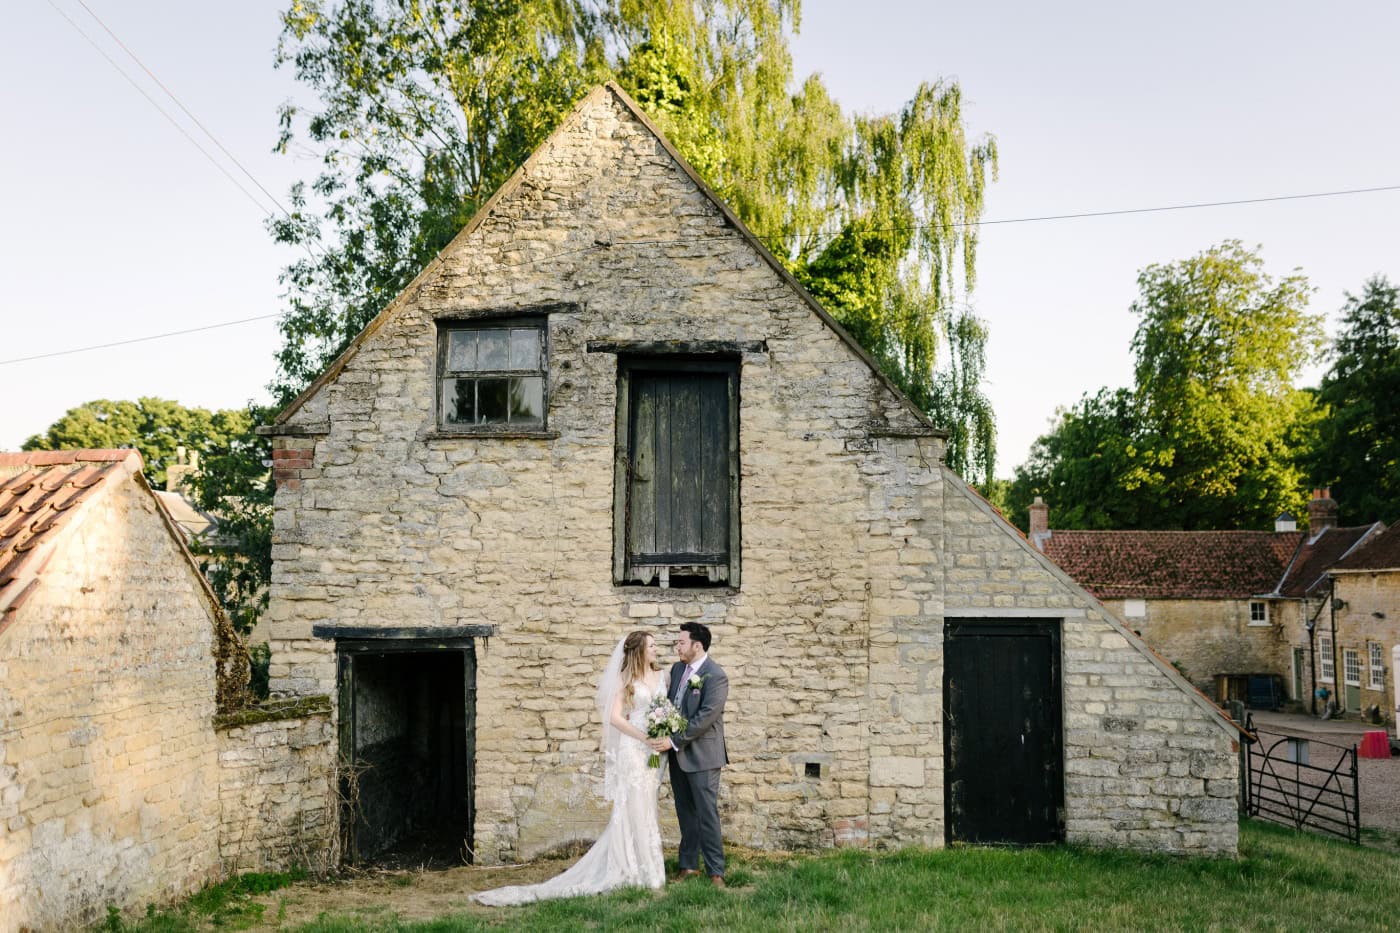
x=294 y=430
x=678 y=347
x=430 y=632
x=1013 y=613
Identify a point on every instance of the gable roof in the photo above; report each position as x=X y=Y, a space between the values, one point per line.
x=42 y=494
x=1380 y=551
x=1174 y=564
x=514 y=182
x=1317 y=555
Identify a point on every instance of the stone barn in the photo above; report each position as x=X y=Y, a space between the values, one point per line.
x=606 y=406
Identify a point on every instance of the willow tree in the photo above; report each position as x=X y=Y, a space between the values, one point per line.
x=422 y=108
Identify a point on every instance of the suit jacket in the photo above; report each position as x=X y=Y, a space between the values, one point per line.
x=701 y=746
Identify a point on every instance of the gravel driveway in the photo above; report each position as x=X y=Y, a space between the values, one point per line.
x=1378 y=778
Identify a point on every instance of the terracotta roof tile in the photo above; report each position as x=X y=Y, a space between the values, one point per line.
x=1380 y=552
x=1317 y=555
x=1173 y=564
x=36 y=502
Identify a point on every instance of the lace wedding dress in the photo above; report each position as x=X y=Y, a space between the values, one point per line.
x=628 y=853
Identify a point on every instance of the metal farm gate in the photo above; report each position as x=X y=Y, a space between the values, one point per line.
x=1282 y=784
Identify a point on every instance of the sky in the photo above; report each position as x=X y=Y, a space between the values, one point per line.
x=116 y=227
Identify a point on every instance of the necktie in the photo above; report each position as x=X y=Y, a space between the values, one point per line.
x=685 y=679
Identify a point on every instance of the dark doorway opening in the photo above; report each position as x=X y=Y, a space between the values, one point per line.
x=407 y=743
x=1002 y=709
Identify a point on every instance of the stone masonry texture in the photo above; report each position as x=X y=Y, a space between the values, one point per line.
x=109 y=783
x=856 y=541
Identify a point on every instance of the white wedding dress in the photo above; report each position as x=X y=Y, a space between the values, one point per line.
x=628 y=853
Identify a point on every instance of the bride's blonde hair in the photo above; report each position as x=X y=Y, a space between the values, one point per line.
x=634 y=663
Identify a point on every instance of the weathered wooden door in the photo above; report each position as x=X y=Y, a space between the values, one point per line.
x=680 y=468
x=1002 y=712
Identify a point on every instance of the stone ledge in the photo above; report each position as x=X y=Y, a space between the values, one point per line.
x=293 y=430
x=272 y=710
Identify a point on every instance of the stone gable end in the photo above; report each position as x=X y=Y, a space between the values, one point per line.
x=854 y=540
x=1148 y=759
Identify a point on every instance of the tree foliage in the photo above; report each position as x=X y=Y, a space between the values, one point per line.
x=1358 y=446
x=424 y=107
x=153 y=426
x=235 y=485
x=1212 y=434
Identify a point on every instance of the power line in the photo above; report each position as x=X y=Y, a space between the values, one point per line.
x=262 y=209
x=122 y=343
x=171 y=94
x=1117 y=213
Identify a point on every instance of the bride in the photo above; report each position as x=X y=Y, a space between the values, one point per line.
x=628 y=853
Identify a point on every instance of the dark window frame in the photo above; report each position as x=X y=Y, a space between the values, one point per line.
x=449 y=325
x=625 y=571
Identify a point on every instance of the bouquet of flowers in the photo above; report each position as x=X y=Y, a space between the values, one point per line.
x=662 y=719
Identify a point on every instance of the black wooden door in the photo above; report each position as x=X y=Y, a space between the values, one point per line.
x=1002 y=732
x=680 y=476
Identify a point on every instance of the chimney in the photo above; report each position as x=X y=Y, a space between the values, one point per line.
x=186 y=462
x=1322 y=512
x=1040 y=523
x=1285 y=522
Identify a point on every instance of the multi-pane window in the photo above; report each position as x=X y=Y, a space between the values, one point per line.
x=1351 y=666
x=1258 y=612
x=491 y=376
x=1326 y=664
x=677 y=483
x=1377 y=666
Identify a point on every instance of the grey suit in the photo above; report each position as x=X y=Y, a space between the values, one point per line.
x=695 y=762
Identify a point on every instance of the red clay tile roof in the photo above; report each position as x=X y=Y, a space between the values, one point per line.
x=1380 y=552
x=39 y=493
x=1173 y=564
x=1315 y=557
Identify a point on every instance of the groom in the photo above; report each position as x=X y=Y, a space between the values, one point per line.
x=699 y=688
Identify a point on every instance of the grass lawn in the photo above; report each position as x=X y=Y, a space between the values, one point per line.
x=1283 y=880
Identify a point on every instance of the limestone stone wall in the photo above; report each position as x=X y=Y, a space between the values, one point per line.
x=852 y=532
x=1147 y=764
x=380 y=522
x=1207 y=637
x=1371 y=616
x=277 y=797
x=109 y=784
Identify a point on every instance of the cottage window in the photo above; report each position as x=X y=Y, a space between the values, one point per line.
x=677 y=473
x=1377 y=666
x=1351 y=666
x=1326 y=663
x=491 y=376
x=1258 y=612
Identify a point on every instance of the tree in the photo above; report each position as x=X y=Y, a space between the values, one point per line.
x=235 y=485
x=424 y=107
x=1212 y=433
x=153 y=426
x=1358 y=447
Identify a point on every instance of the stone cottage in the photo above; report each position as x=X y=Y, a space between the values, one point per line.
x=1233 y=609
x=606 y=406
x=1360 y=633
x=117 y=784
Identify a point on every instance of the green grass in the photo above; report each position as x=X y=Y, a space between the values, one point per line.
x=1283 y=880
x=228 y=905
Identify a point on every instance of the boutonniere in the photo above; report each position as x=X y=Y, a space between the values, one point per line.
x=695 y=682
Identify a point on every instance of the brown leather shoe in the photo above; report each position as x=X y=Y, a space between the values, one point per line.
x=717 y=881
x=683 y=874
